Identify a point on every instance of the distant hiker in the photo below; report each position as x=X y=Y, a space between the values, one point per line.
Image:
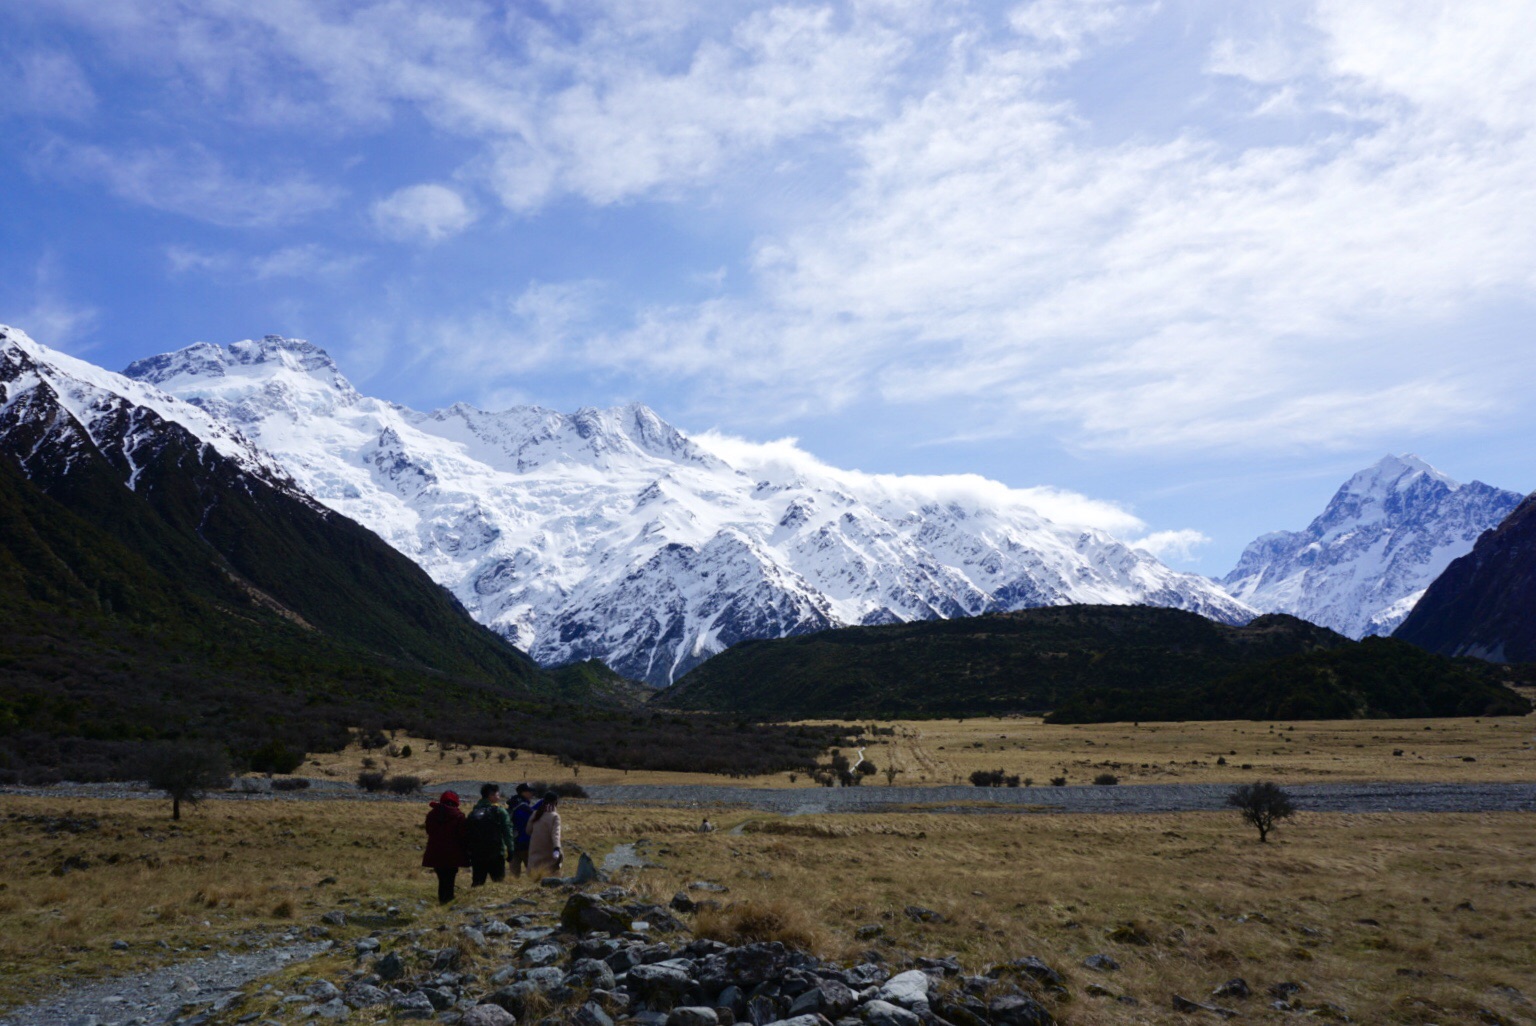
x=706 y=827
x=521 y=812
x=489 y=830
x=544 y=855
x=447 y=848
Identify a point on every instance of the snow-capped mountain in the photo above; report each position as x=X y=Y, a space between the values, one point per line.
x=1360 y=567
x=610 y=534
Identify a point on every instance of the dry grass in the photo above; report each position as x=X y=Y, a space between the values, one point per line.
x=1450 y=896
x=931 y=752
x=947 y=751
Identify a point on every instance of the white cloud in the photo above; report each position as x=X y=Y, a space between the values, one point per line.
x=783 y=459
x=307 y=260
x=49 y=315
x=194 y=183
x=1172 y=546
x=427 y=212
x=49 y=83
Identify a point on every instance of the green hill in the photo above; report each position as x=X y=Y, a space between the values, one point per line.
x=1088 y=663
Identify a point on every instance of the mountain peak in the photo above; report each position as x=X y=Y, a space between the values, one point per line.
x=1395 y=473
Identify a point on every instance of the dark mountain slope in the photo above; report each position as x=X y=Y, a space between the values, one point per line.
x=1484 y=604
x=1088 y=663
x=1028 y=660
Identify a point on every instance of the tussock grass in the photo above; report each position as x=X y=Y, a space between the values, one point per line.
x=1452 y=897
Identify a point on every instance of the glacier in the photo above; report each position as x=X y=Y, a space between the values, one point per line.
x=609 y=534
x=1364 y=562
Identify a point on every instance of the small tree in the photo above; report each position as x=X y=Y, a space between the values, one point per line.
x=890 y=774
x=185 y=772
x=1263 y=805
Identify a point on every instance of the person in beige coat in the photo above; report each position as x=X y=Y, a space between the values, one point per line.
x=544 y=855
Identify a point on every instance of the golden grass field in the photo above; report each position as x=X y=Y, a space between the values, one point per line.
x=1394 y=918
x=930 y=752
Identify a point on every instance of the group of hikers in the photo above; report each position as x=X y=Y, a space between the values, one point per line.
x=492 y=837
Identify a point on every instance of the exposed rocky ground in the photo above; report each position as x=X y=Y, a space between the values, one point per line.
x=609 y=957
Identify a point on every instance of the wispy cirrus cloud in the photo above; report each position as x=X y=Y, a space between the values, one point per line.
x=193 y=182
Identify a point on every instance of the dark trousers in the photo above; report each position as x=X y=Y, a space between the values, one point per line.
x=445 y=880
x=519 y=860
x=482 y=867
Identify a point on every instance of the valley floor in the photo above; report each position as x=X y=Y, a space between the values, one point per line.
x=1386 y=917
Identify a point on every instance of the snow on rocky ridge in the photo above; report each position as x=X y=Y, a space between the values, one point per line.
x=1360 y=567
x=610 y=534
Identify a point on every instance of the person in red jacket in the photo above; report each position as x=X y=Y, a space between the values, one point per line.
x=447 y=844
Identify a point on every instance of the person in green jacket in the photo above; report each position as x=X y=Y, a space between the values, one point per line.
x=489 y=831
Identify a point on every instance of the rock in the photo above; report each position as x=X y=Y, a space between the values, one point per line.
x=1098 y=990
x=624 y=959
x=474 y=936
x=693 y=1015
x=733 y=998
x=1182 y=1004
x=883 y=1013
x=682 y=903
x=587 y=871
x=1130 y=933
x=487 y=1015
x=752 y=964
x=547 y=977
x=591 y=1014
x=583 y=912
x=908 y=989
x=659 y=980
x=332 y=1009
x=119 y=945
x=1237 y=987
x=705 y=885
x=441 y=999
x=919 y=914
x=414 y=1006
x=322 y=990
x=866 y=974
x=1284 y=990
x=869 y=931
x=939 y=966
x=334 y=918
x=389 y=967
x=495 y=928
x=590 y=973
x=1029 y=966
x=364 y=945
x=446 y=960
x=554 y=881
x=803 y=1020
x=514 y=998
x=364 y=995
x=1018 y=1010
x=829 y=998
x=543 y=954
x=1101 y=963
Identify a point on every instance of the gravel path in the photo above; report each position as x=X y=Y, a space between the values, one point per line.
x=188 y=990
x=1123 y=798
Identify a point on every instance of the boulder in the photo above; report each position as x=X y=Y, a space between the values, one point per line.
x=322 y=990
x=414 y=1006
x=584 y=912
x=543 y=954
x=908 y=989
x=828 y=997
x=587 y=871
x=659 y=980
x=363 y=995
x=682 y=903
x=883 y=1013
x=488 y=1015
x=1237 y=987
x=389 y=967
x=752 y=964
x=693 y=1015
x=1101 y=963
x=591 y=1013
x=441 y=999
x=332 y=1009
x=334 y=918
x=1183 y=1004
x=802 y=1020
x=590 y=973
x=1018 y=1010
x=1029 y=966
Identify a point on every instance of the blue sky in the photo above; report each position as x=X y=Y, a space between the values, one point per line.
x=1198 y=259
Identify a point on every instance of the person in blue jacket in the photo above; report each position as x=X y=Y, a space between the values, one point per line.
x=521 y=812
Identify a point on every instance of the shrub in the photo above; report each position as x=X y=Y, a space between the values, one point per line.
x=987 y=778
x=402 y=783
x=1106 y=779
x=290 y=784
x=565 y=788
x=1058 y=781
x=1012 y=780
x=371 y=739
x=1263 y=805
x=405 y=751
x=276 y=757
x=185 y=772
x=370 y=780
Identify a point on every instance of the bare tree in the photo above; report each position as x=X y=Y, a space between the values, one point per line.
x=1263 y=805
x=890 y=774
x=185 y=771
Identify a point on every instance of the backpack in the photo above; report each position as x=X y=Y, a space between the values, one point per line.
x=482 y=830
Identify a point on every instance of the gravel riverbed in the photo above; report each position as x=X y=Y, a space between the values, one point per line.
x=1122 y=798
